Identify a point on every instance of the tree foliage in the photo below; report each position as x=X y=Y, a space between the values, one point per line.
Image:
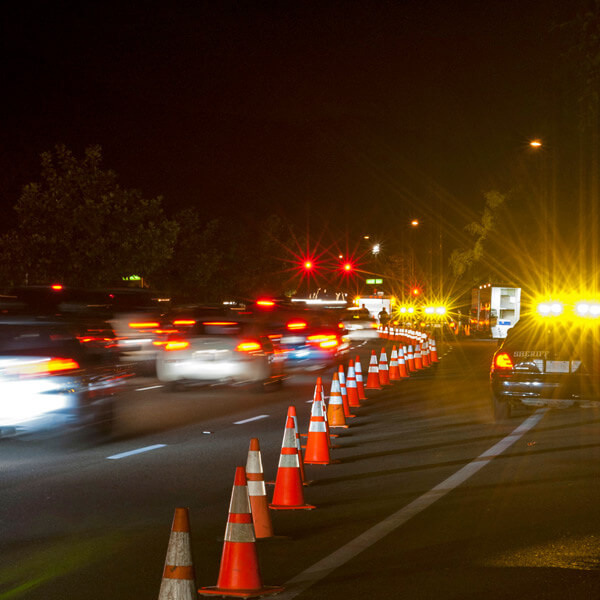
x=78 y=225
x=464 y=261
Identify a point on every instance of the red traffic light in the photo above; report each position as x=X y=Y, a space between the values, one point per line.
x=308 y=265
x=416 y=291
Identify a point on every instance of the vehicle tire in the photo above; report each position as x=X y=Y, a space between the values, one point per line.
x=501 y=409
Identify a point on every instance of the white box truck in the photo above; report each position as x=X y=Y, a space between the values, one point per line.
x=494 y=309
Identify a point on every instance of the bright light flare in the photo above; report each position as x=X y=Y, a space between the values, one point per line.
x=550 y=309
x=590 y=310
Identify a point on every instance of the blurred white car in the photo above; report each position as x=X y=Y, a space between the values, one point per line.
x=359 y=325
x=57 y=375
x=218 y=351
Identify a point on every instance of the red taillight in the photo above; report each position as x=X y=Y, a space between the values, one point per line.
x=248 y=347
x=341 y=325
x=176 y=345
x=56 y=287
x=144 y=325
x=61 y=364
x=502 y=362
x=184 y=322
x=219 y=323
x=296 y=325
x=43 y=367
x=324 y=341
x=265 y=303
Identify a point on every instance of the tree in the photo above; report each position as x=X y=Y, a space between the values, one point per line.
x=79 y=226
x=464 y=261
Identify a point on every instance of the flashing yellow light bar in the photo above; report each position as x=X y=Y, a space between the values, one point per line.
x=588 y=309
x=550 y=309
x=440 y=311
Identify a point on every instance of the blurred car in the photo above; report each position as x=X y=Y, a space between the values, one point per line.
x=546 y=362
x=57 y=375
x=227 y=351
x=135 y=314
x=310 y=339
x=359 y=324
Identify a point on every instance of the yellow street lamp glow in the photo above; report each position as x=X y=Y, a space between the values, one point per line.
x=415 y=222
x=535 y=143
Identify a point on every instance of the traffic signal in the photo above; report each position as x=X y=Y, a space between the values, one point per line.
x=347 y=267
x=416 y=291
x=308 y=265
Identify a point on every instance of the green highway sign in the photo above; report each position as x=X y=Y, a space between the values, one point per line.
x=374 y=281
x=132 y=278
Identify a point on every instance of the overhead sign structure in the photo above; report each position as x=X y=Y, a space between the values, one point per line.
x=374 y=281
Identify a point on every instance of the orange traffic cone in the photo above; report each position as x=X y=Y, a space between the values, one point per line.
x=261 y=517
x=344 y=393
x=320 y=397
x=335 y=410
x=317 y=443
x=178 y=580
x=394 y=370
x=351 y=387
x=288 y=492
x=360 y=386
x=292 y=413
x=425 y=353
x=418 y=361
x=402 y=363
x=410 y=359
x=384 y=376
x=434 y=354
x=373 y=382
x=239 y=575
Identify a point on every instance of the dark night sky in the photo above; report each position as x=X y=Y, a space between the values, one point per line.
x=353 y=115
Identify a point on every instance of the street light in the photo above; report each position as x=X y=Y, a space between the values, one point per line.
x=376 y=248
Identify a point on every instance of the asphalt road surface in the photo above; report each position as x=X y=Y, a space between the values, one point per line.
x=430 y=499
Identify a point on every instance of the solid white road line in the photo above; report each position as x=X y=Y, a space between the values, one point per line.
x=324 y=567
x=138 y=451
x=152 y=387
x=252 y=419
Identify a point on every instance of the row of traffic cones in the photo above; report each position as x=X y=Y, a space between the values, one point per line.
x=249 y=511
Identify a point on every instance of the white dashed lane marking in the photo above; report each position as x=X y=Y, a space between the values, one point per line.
x=251 y=419
x=324 y=567
x=133 y=452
